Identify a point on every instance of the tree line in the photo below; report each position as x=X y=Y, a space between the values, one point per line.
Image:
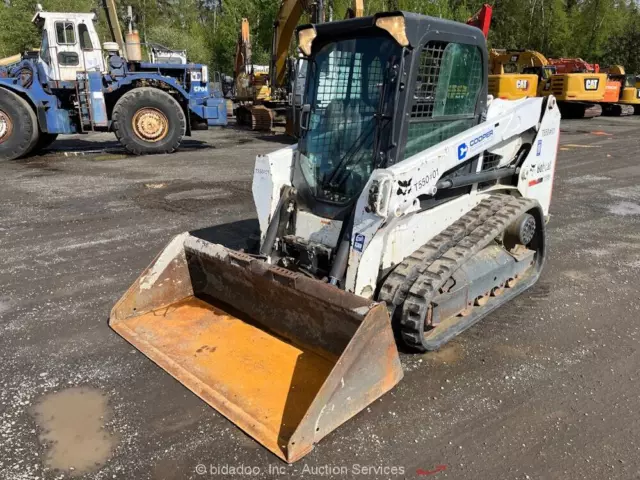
x=600 y=31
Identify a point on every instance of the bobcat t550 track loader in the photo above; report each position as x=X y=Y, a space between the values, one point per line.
x=413 y=203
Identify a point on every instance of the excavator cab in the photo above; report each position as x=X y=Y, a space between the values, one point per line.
x=508 y=80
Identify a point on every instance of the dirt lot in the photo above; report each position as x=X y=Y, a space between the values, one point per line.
x=546 y=387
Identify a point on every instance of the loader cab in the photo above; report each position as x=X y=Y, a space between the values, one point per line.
x=379 y=90
x=69 y=45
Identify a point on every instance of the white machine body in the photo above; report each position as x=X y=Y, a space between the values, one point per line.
x=396 y=226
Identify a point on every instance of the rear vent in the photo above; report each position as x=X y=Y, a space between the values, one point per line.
x=557 y=85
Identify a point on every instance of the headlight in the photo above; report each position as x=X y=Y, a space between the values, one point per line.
x=305 y=39
x=396 y=27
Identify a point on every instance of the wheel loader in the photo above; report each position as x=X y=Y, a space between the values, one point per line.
x=412 y=206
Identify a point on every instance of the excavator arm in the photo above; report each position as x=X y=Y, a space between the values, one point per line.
x=482 y=19
x=242 y=62
x=284 y=26
x=286 y=21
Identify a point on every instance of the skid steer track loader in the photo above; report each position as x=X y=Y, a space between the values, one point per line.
x=412 y=206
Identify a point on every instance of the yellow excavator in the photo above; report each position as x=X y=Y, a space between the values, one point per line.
x=578 y=93
x=627 y=97
x=251 y=85
x=507 y=81
x=264 y=93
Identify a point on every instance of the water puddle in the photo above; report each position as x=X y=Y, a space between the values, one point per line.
x=449 y=354
x=72 y=427
x=199 y=194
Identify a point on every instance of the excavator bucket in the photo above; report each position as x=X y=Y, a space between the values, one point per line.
x=286 y=358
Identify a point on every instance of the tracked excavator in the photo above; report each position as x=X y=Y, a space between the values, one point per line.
x=623 y=95
x=413 y=205
x=508 y=79
x=579 y=92
x=264 y=93
x=261 y=90
x=614 y=83
x=251 y=86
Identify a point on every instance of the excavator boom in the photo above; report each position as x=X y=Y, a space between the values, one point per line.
x=482 y=19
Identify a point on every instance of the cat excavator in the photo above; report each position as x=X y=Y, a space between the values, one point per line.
x=508 y=79
x=413 y=205
x=628 y=100
x=612 y=102
x=578 y=92
x=264 y=93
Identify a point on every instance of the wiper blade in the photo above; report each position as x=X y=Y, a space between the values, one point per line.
x=349 y=156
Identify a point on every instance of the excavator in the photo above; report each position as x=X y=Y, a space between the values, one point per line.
x=628 y=99
x=413 y=205
x=508 y=80
x=264 y=93
x=251 y=85
x=578 y=92
x=621 y=91
x=609 y=104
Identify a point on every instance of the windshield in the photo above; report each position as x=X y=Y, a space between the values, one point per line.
x=630 y=81
x=346 y=86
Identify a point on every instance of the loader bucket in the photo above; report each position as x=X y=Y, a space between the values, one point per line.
x=286 y=358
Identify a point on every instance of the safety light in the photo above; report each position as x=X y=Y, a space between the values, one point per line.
x=305 y=39
x=396 y=27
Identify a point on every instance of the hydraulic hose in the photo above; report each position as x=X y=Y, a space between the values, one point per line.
x=339 y=267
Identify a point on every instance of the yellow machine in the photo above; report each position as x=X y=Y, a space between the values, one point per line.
x=630 y=87
x=251 y=83
x=264 y=93
x=578 y=93
x=10 y=60
x=506 y=81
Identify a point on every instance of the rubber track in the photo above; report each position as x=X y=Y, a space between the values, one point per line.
x=397 y=284
x=418 y=279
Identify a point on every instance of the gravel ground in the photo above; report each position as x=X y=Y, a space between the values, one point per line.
x=544 y=388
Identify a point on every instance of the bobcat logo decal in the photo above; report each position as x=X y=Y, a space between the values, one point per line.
x=404 y=187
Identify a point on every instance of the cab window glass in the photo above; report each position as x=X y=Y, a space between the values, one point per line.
x=44 y=48
x=449 y=81
x=85 y=38
x=65 y=33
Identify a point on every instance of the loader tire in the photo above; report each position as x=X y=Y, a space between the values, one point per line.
x=44 y=141
x=147 y=120
x=18 y=126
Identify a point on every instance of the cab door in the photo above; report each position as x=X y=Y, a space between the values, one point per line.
x=91 y=52
x=67 y=52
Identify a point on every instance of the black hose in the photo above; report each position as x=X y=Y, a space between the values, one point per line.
x=272 y=229
x=464 y=180
x=339 y=267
